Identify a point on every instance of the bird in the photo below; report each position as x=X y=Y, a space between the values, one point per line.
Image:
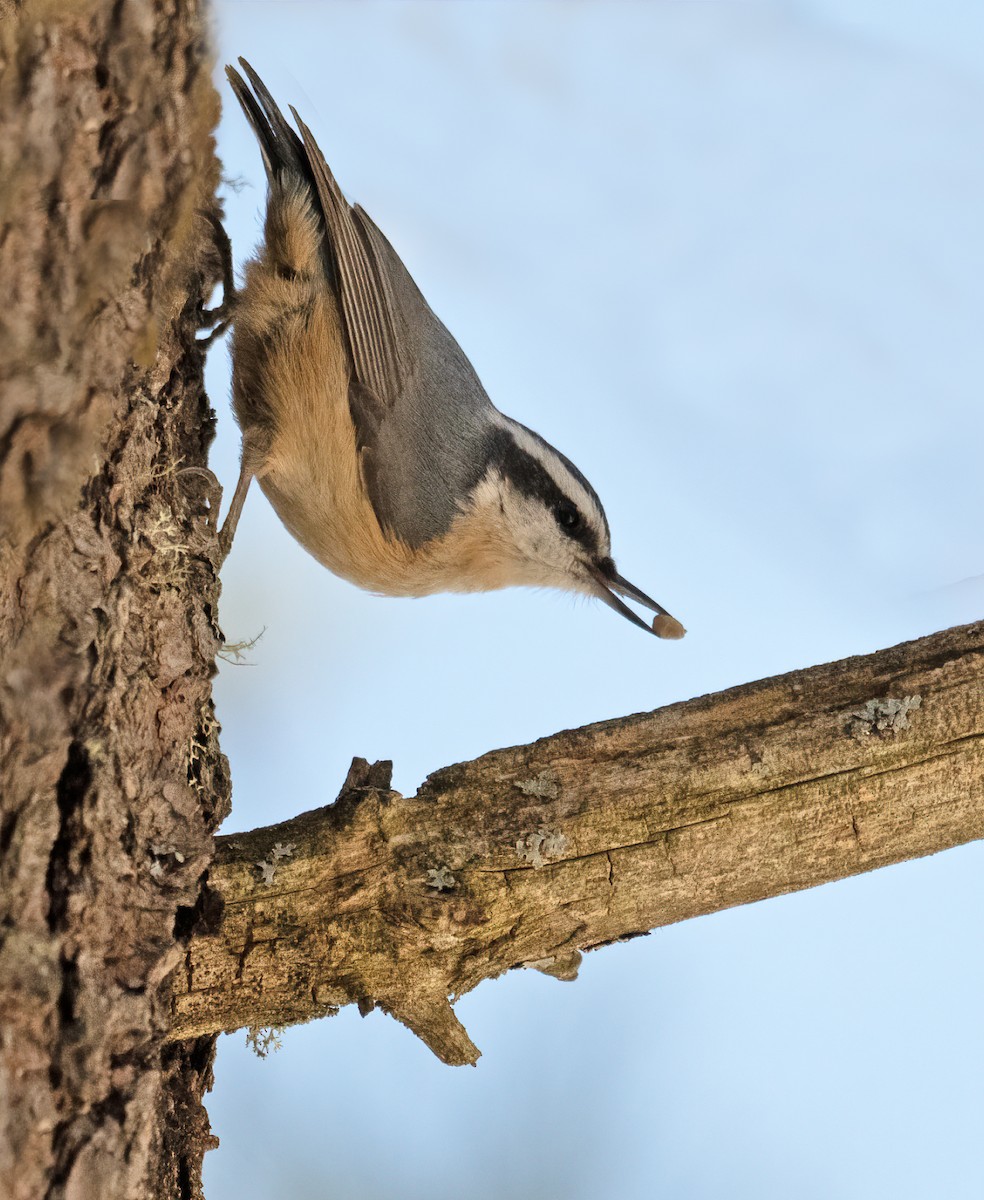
x=366 y=426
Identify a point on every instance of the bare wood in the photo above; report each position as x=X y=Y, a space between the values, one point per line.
x=530 y=855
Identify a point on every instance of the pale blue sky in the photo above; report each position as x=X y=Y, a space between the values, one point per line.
x=729 y=258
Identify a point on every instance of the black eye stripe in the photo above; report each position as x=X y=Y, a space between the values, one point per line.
x=529 y=476
x=575 y=473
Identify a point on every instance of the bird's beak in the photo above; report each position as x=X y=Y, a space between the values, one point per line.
x=608 y=582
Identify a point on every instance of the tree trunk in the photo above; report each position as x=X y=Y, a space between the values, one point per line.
x=111 y=781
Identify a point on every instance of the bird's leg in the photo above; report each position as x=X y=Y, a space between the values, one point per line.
x=228 y=530
x=218 y=318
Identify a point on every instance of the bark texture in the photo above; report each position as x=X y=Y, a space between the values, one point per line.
x=111 y=781
x=528 y=856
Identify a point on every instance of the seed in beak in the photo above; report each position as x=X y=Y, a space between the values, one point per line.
x=665 y=626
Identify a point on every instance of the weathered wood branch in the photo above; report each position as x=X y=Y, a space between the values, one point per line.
x=530 y=855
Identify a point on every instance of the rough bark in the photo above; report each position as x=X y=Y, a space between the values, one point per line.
x=528 y=856
x=111 y=782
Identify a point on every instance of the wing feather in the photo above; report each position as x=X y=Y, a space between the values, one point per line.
x=373 y=322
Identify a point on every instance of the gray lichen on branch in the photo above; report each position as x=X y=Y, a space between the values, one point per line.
x=884 y=717
x=647 y=820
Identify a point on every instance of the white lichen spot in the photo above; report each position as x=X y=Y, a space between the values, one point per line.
x=262 y=1039
x=545 y=785
x=268 y=866
x=564 y=966
x=883 y=717
x=440 y=879
x=163 y=530
x=539 y=848
x=96 y=749
x=161 y=851
x=235 y=652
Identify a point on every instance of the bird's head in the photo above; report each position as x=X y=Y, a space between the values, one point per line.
x=543 y=526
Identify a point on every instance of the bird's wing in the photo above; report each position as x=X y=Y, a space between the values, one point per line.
x=416 y=402
x=373 y=323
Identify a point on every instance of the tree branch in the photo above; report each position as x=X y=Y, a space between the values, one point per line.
x=528 y=856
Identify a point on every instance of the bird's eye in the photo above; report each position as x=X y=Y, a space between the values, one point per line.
x=568 y=518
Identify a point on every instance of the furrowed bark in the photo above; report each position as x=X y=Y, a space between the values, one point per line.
x=111 y=780
x=531 y=855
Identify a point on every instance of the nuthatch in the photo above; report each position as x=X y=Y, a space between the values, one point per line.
x=367 y=427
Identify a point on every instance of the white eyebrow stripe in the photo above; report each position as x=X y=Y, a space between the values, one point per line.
x=564 y=480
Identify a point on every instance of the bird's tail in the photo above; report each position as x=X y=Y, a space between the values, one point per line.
x=282 y=150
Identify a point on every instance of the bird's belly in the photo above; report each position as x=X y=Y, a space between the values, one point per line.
x=325 y=507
